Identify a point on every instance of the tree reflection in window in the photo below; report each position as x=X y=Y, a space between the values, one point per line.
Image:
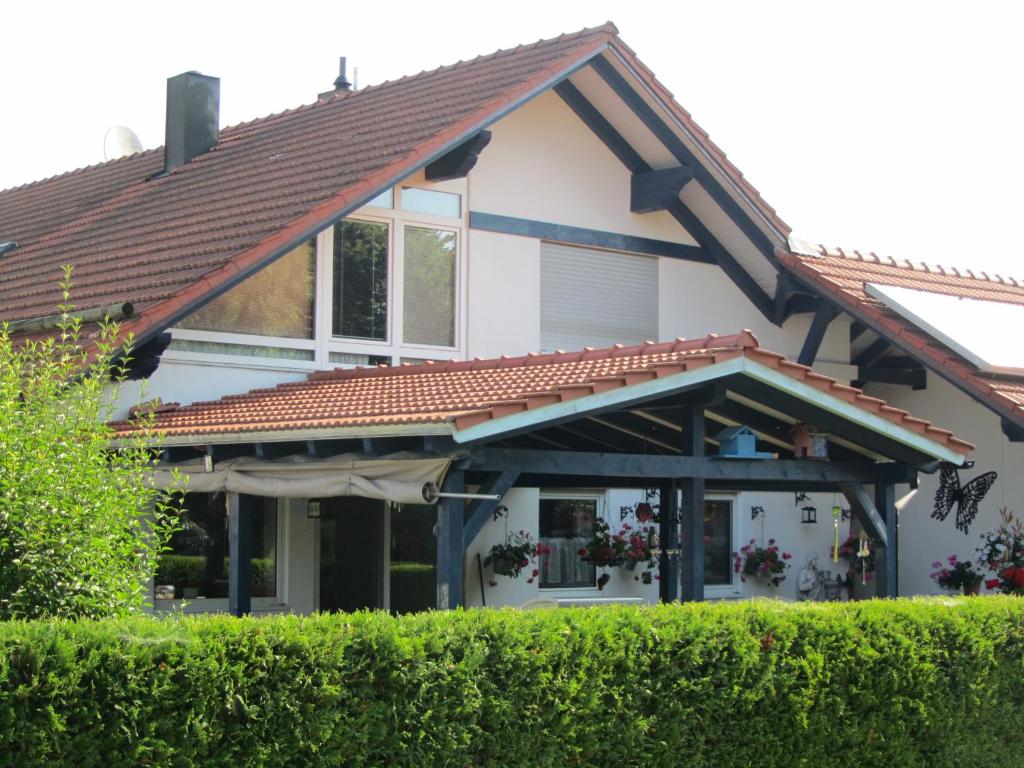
x=360 y=280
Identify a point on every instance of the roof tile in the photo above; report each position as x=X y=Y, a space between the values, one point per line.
x=474 y=391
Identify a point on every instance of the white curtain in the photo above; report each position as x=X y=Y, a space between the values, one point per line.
x=563 y=565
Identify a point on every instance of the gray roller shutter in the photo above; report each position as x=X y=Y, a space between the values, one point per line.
x=596 y=298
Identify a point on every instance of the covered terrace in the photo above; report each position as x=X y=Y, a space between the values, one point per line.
x=641 y=416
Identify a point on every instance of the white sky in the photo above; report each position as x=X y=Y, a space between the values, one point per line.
x=887 y=126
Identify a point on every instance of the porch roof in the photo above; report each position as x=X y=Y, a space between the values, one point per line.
x=619 y=398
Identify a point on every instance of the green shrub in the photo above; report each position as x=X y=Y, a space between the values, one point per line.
x=904 y=683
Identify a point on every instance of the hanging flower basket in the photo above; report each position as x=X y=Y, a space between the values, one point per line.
x=603 y=556
x=765 y=564
x=515 y=554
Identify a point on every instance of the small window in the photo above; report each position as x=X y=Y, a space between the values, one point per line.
x=276 y=301
x=565 y=526
x=429 y=287
x=350 y=358
x=196 y=565
x=717 y=542
x=431 y=202
x=385 y=199
x=360 y=308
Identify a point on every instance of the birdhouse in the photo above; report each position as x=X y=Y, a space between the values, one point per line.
x=739 y=443
x=808 y=443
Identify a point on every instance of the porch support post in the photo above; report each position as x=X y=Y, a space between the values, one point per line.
x=668 y=537
x=885 y=559
x=693 y=507
x=450 y=550
x=239 y=553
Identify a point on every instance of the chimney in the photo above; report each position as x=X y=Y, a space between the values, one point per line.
x=193 y=117
x=341 y=83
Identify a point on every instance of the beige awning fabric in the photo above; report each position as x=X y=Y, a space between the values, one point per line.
x=401 y=478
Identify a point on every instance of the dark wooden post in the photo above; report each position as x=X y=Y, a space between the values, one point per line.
x=450 y=549
x=693 y=508
x=239 y=554
x=885 y=558
x=668 y=536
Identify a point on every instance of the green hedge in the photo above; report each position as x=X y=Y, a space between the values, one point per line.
x=905 y=683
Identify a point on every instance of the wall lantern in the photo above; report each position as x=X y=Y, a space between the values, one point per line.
x=756 y=512
x=809 y=515
x=313 y=509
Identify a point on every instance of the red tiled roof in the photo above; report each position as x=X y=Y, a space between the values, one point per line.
x=844 y=275
x=166 y=242
x=473 y=391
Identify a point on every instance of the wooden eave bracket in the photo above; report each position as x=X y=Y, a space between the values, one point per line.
x=656 y=190
x=460 y=161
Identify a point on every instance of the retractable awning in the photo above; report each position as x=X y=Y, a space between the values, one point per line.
x=402 y=477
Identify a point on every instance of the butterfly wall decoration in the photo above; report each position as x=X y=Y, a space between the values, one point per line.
x=965 y=497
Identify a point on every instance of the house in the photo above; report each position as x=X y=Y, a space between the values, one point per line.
x=390 y=326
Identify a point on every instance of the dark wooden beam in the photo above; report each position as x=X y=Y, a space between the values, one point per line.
x=692 y=508
x=872 y=353
x=1014 y=432
x=451 y=556
x=856 y=329
x=682 y=153
x=479 y=511
x=631 y=159
x=823 y=317
x=563 y=233
x=604 y=130
x=668 y=536
x=911 y=377
x=459 y=161
x=651 y=191
x=239 y=553
x=867 y=514
x=886 y=584
x=750 y=288
x=571 y=463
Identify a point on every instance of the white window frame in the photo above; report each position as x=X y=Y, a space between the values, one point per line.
x=600 y=499
x=394 y=348
x=220 y=604
x=323 y=342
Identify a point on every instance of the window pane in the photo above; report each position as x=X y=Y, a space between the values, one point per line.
x=565 y=526
x=431 y=202
x=385 y=199
x=245 y=350
x=429 y=290
x=717 y=542
x=352 y=358
x=197 y=564
x=361 y=280
x=276 y=301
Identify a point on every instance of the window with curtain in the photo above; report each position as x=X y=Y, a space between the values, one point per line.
x=428 y=291
x=566 y=525
x=276 y=301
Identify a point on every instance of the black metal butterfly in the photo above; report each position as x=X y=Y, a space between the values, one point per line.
x=965 y=497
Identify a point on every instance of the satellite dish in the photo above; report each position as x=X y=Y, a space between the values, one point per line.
x=120 y=142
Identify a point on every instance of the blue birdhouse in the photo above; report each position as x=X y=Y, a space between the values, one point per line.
x=739 y=443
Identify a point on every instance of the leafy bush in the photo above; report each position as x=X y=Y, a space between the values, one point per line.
x=907 y=683
x=80 y=525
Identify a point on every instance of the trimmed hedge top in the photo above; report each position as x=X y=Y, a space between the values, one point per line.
x=907 y=683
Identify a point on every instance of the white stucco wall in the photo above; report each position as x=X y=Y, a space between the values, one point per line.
x=924 y=540
x=546 y=165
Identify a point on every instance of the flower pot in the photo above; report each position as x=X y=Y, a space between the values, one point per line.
x=504 y=566
x=629 y=565
x=603 y=557
x=973 y=587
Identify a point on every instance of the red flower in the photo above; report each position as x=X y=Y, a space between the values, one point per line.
x=536 y=572
x=786 y=556
x=582 y=551
x=992 y=583
x=1018 y=577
